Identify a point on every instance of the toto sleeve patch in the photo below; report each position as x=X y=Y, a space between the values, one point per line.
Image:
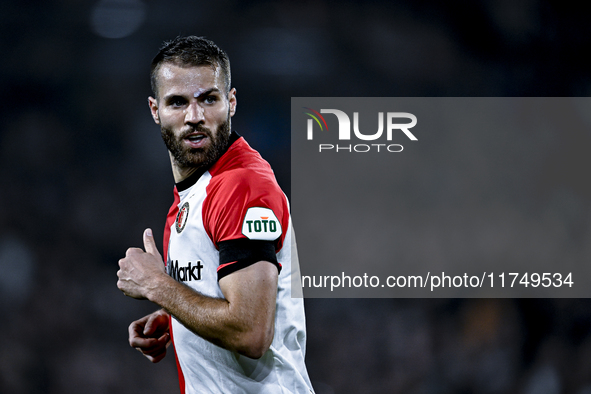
x=261 y=224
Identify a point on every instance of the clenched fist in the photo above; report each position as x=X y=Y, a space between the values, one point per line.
x=139 y=271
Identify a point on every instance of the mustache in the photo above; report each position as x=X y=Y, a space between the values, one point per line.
x=196 y=129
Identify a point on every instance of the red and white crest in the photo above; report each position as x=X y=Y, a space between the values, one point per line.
x=181 y=218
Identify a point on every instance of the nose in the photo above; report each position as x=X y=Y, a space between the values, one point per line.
x=194 y=113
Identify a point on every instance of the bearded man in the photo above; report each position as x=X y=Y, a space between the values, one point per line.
x=224 y=284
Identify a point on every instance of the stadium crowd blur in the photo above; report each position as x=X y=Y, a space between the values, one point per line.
x=83 y=171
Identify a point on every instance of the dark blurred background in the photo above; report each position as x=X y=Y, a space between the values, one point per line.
x=83 y=171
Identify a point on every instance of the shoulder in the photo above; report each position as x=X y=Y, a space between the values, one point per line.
x=242 y=189
x=242 y=170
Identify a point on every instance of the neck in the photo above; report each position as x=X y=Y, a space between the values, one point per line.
x=181 y=173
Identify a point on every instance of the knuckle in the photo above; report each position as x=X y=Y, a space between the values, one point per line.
x=131 y=251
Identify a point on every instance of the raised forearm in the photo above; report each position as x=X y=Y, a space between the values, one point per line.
x=206 y=316
x=243 y=322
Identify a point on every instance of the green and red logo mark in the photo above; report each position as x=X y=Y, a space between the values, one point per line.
x=315 y=117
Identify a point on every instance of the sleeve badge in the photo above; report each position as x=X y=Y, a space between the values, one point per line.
x=261 y=224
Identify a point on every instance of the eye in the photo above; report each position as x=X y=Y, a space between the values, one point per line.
x=177 y=101
x=210 y=99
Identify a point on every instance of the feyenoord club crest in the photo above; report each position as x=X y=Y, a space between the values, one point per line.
x=181 y=218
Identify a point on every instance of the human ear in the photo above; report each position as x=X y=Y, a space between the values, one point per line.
x=232 y=101
x=153 y=103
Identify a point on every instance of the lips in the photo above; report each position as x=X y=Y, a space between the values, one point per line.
x=195 y=140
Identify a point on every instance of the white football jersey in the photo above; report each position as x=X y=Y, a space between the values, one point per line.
x=225 y=219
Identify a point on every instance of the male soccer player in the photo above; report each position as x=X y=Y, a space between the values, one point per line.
x=226 y=285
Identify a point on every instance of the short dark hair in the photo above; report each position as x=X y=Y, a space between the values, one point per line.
x=190 y=51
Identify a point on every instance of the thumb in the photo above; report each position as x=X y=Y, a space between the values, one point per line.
x=149 y=328
x=149 y=243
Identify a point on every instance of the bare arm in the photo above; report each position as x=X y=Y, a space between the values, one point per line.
x=243 y=321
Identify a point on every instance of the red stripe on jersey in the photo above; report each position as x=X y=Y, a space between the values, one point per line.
x=178 y=364
x=170 y=219
x=225 y=265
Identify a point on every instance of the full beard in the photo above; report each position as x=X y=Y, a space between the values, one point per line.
x=186 y=157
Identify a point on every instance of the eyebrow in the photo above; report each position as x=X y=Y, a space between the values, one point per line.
x=198 y=94
x=169 y=97
x=205 y=92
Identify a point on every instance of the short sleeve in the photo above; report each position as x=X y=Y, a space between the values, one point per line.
x=246 y=216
